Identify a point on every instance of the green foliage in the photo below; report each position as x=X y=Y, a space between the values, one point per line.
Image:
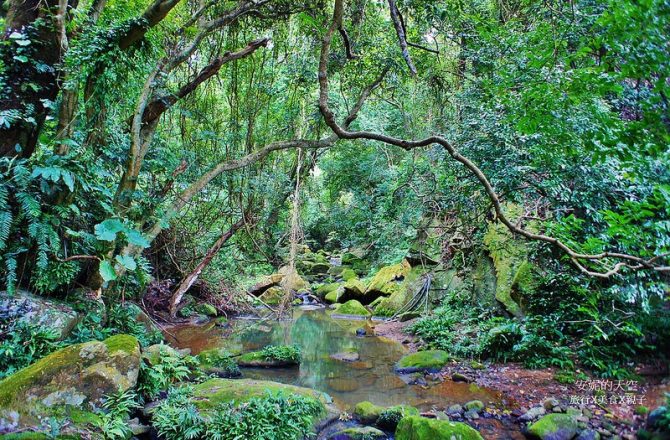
x=113 y=422
x=119 y=319
x=165 y=370
x=289 y=353
x=177 y=418
x=22 y=343
x=271 y=417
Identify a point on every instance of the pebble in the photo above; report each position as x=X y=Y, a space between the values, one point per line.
x=550 y=403
x=532 y=414
x=454 y=410
x=459 y=377
x=472 y=414
x=588 y=434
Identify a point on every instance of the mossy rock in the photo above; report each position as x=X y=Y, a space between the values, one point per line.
x=554 y=427
x=352 y=307
x=36 y=310
x=422 y=428
x=358 y=433
x=515 y=275
x=325 y=289
x=206 y=309
x=77 y=376
x=348 y=274
x=220 y=362
x=258 y=360
x=388 y=279
x=334 y=296
x=273 y=296
x=353 y=288
x=213 y=392
x=428 y=360
x=367 y=412
x=401 y=294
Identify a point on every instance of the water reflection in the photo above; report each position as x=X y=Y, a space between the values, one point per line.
x=319 y=336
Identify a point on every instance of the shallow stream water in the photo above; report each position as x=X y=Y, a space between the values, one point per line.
x=319 y=336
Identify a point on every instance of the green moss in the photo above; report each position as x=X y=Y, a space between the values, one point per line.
x=429 y=360
x=422 y=428
x=360 y=433
x=474 y=404
x=388 y=279
x=273 y=296
x=126 y=343
x=325 y=289
x=206 y=309
x=334 y=295
x=213 y=392
x=367 y=412
x=14 y=384
x=401 y=294
x=82 y=417
x=352 y=307
x=348 y=274
x=514 y=273
x=354 y=287
x=554 y=426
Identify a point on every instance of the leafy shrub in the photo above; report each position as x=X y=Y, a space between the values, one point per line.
x=271 y=417
x=222 y=361
x=176 y=417
x=113 y=422
x=120 y=319
x=25 y=344
x=168 y=368
x=287 y=353
x=389 y=418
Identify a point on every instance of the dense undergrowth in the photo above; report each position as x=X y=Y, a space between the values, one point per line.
x=566 y=326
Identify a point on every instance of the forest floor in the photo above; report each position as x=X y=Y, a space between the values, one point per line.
x=610 y=410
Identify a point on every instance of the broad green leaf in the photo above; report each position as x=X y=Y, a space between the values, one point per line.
x=107 y=271
x=126 y=261
x=107 y=230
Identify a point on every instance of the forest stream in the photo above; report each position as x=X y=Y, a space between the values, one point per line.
x=342 y=357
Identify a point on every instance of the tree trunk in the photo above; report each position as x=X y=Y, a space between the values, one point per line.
x=27 y=89
x=191 y=278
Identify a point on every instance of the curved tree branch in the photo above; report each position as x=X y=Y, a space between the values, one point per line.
x=626 y=261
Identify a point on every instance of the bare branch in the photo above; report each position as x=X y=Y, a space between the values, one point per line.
x=402 y=38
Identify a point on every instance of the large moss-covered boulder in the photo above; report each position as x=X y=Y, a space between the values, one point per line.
x=388 y=280
x=325 y=289
x=369 y=413
x=207 y=395
x=36 y=310
x=422 y=428
x=554 y=427
x=352 y=307
x=335 y=295
x=401 y=294
x=428 y=360
x=515 y=274
x=75 y=377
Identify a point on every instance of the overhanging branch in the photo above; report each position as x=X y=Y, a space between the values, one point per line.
x=625 y=261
